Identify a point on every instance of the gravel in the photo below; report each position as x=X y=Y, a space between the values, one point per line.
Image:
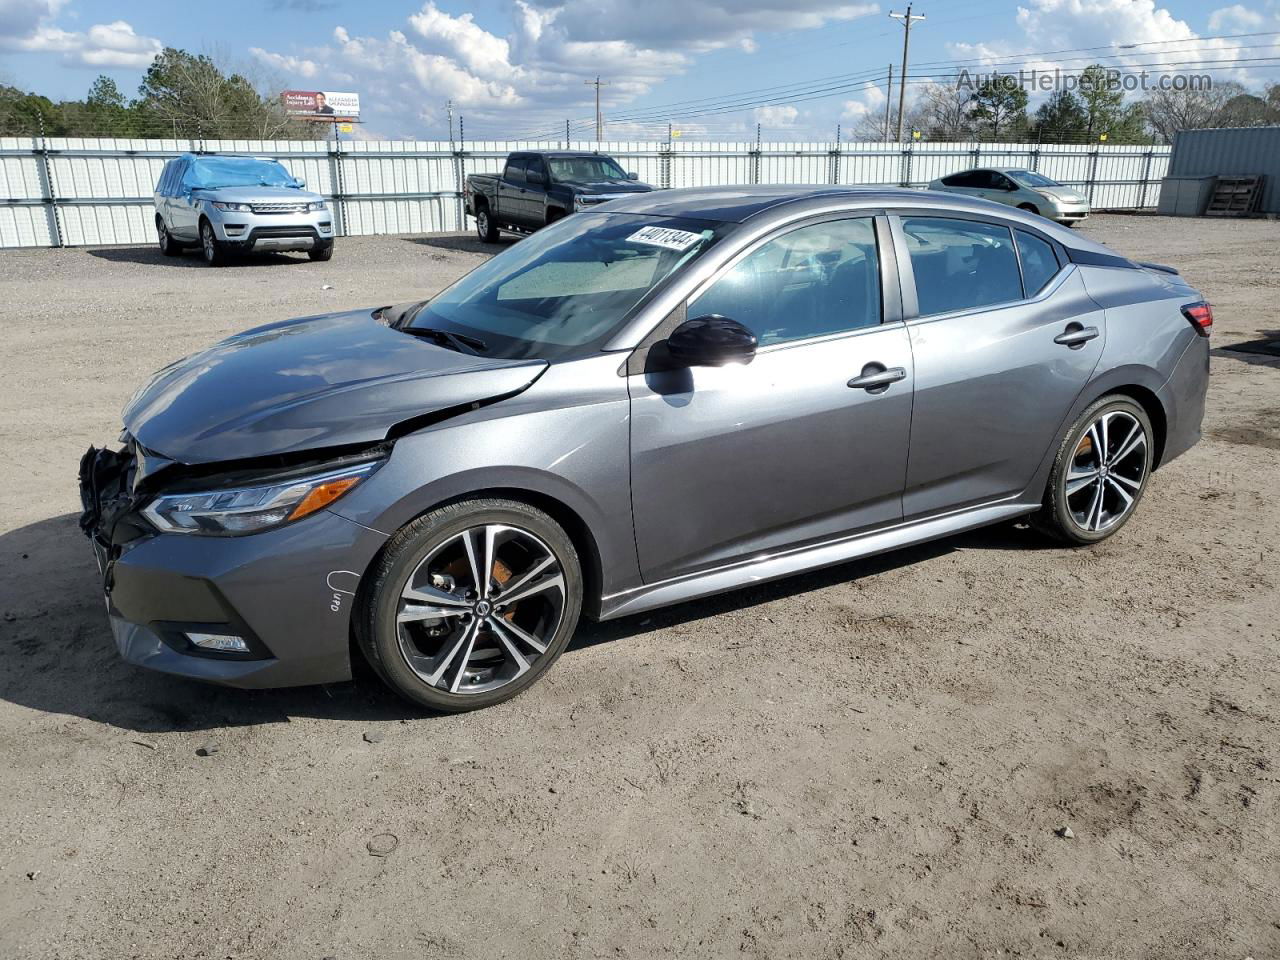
x=756 y=773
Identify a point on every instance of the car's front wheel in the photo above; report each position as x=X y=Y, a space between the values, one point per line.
x=210 y=248
x=471 y=603
x=1099 y=473
x=322 y=254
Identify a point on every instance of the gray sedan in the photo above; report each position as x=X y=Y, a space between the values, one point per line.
x=681 y=394
x=1024 y=189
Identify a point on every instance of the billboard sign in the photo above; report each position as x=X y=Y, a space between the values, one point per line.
x=321 y=104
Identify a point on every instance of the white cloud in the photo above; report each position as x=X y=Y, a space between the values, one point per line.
x=777 y=115
x=291 y=66
x=26 y=25
x=1236 y=18
x=870 y=98
x=538 y=73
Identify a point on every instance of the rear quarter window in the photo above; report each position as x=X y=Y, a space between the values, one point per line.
x=1039 y=261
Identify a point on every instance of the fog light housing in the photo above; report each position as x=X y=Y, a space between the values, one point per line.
x=219 y=642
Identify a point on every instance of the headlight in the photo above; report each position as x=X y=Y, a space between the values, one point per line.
x=250 y=509
x=237 y=207
x=313 y=207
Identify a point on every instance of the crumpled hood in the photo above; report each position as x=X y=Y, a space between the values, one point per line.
x=305 y=384
x=607 y=186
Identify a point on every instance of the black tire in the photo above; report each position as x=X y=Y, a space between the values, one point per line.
x=1072 y=224
x=321 y=254
x=1030 y=208
x=1060 y=516
x=168 y=246
x=408 y=556
x=215 y=255
x=485 y=227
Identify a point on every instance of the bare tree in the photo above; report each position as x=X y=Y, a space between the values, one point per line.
x=943 y=111
x=1168 y=111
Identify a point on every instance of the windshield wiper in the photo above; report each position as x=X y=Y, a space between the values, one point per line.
x=454 y=341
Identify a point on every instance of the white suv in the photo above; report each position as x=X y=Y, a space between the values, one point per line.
x=229 y=205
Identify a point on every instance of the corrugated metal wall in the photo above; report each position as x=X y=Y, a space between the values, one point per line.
x=1237 y=151
x=72 y=192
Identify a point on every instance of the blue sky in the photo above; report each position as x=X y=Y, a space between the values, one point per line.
x=520 y=67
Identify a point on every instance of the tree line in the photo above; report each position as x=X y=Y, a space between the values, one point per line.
x=997 y=109
x=181 y=95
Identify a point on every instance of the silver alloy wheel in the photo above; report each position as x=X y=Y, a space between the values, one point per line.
x=207 y=242
x=482 y=223
x=1107 y=471
x=162 y=235
x=480 y=609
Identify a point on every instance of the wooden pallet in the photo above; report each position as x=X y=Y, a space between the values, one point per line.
x=1235 y=196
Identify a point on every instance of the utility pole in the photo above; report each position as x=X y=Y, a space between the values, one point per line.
x=906 y=19
x=599 y=119
x=449 y=107
x=888 y=99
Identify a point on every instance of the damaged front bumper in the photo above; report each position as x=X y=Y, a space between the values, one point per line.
x=287 y=593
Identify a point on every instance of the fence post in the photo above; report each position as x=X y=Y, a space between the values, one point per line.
x=339 y=184
x=755 y=158
x=1093 y=173
x=47 y=188
x=1146 y=178
x=905 y=173
x=835 y=158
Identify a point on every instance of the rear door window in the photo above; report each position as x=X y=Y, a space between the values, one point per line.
x=961 y=264
x=1039 y=261
x=515 y=171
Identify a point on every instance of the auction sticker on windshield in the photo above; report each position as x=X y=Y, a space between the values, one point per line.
x=665 y=237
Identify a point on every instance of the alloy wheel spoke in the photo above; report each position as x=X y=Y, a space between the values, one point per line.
x=538 y=586
x=521 y=634
x=512 y=585
x=436 y=597
x=1124 y=494
x=1078 y=480
x=413 y=612
x=466 y=638
x=470 y=639
x=1132 y=442
x=1095 y=508
x=500 y=630
x=1134 y=485
x=1104 y=455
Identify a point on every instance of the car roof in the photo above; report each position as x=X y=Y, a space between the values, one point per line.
x=559 y=153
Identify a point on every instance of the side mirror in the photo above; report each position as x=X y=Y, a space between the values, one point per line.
x=633 y=176
x=300 y=182
x=711 y=341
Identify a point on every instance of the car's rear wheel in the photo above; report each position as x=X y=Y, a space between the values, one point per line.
x=485 y=227
x=471 y=603
x=210 y=248
x=168 y=246
x=1099 y=473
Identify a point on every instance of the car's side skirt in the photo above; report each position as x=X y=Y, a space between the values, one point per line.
x=777 y=566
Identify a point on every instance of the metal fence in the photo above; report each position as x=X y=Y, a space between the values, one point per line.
x=64 y=191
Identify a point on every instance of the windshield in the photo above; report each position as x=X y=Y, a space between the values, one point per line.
x=238 y=172
x=1029 y=179
x=585 y=168
x=565 y=290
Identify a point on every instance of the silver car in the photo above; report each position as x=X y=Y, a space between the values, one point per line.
x=229 y=205
x=1019 y=188
x=682 y=393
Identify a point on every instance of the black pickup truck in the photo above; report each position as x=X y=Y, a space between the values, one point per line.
x=535 y=189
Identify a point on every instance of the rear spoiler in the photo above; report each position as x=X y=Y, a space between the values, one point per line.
x=1096 y=259
x=1163 y=268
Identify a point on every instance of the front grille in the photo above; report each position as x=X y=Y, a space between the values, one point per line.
x=279 y=207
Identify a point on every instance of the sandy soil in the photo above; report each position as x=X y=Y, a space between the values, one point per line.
x=867 y=762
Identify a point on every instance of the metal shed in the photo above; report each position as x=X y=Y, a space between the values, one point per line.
x=1234 y=151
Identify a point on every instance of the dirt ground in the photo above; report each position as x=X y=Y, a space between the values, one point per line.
x=871 y=761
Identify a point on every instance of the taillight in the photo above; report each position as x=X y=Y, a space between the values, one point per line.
x=1201 y=316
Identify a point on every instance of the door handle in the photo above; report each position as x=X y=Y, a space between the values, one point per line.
x=875 y=378
x=1076 y=336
